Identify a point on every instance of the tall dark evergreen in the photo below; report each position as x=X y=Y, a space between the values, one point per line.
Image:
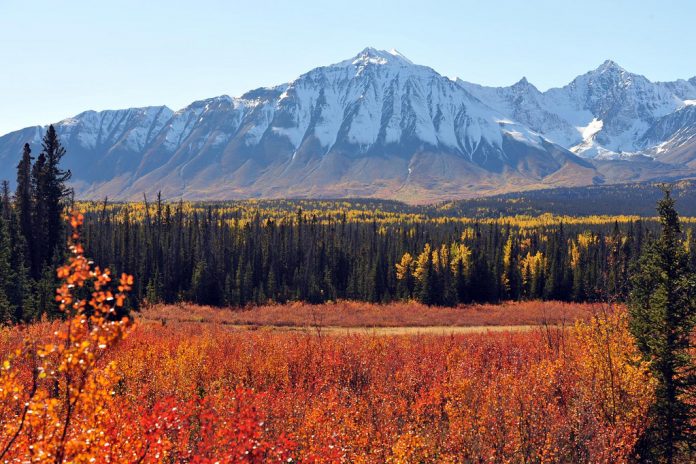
x=6 y=272
x=49 y=196
x=662 y=308
x=56 y=192
x=5 y=201
x=24 y=192
x=38 y=242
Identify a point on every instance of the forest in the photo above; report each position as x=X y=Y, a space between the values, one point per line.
x=109 y=356
x=236 y=254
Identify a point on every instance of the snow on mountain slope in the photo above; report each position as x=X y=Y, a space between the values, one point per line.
x=672 y=138
x=685 y=90
x=102 y=145
x=603 y=113
x=375 y=124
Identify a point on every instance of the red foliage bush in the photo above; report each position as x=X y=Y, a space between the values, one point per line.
x=78 y=391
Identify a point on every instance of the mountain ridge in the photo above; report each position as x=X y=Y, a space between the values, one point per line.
x=378 y=125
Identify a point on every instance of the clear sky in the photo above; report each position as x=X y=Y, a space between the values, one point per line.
x=60 y=58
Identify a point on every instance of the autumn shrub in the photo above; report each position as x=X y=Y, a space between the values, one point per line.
x=504 y=397
x=61 y=398
x=80 y=390
x=191 y=393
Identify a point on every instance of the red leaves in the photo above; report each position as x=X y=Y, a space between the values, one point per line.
x=228 y=427
x=172 y=393
x=360 y=398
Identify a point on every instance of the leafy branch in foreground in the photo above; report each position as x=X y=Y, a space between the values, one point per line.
x=62 y=414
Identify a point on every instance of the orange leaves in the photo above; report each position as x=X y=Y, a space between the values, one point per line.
x=188 y=392
x=62 y=398
x=76 y=219
x=126 y=282
x=614 y=380
x=79 y=271
x=360 y=398
x=126 y=285
x=173 y=394
x=62 y=388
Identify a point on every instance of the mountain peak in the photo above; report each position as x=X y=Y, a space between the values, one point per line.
x=523 y=86
x=371 y=55
x=522 y=83
x=609 y=65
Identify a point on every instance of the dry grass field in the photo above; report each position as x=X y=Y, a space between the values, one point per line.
x=393 y=318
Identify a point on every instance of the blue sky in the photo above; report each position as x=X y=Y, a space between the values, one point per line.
x=60 y=58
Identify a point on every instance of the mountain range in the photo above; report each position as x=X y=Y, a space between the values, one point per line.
x=378 y=125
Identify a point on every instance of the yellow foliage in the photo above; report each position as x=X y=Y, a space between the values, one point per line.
x=405 y=267
x=532 y=264
x=621 y=381
x=460 y=254
x=422 y=262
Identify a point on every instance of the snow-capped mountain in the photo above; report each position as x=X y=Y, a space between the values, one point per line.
x=606 y=113
x=686 y=90
x=376 y=125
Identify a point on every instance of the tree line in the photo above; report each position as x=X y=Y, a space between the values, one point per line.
x=213 y=255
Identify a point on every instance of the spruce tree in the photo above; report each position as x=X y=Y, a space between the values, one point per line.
x=6 y=273
x=19 y=290
x=662 y=309
x=38 y=240
x=24 y=193
x=5 y=203
x=426 y=289
x=56 y=191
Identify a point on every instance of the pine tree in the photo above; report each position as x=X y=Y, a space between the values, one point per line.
x=37 y=242
x=19 y=291
x=231 y=296
x=662 y=308
x=6 y=274
x=154 y=289
x=24 y=195
x=56 y=191
x=6 y=210
x=460 y=283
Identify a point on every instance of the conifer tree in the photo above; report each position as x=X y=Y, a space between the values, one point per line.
x=662 y=308
x=6 y=273
x=19 y=291
x=5 y=203
x=154 y=290
x=38 y=241
x=24 y=194
x=55 y=189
